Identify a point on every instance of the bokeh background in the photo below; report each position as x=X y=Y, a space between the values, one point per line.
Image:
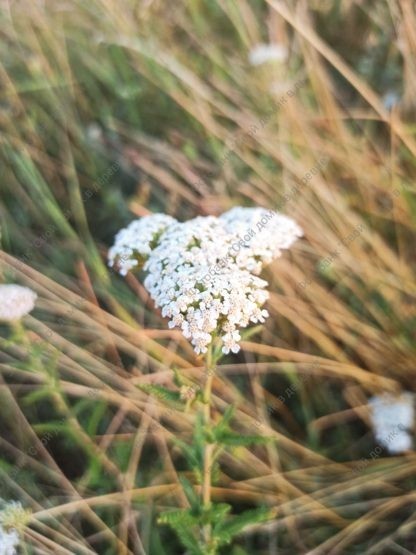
x=111 y=110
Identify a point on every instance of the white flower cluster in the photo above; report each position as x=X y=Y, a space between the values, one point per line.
x=393 y=421
x=13 y=517
x=8 y=542
x=263 y=53
x=15 y=302
x=134 y=243
x=204 y=283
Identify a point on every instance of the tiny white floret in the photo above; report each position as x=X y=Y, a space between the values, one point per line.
x=263 y=53
x=15 y=302
x=392 y=419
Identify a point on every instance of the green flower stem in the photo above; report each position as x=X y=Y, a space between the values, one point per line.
x=208 y=447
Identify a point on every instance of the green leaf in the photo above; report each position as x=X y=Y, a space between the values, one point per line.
x=96 y=418
x=190 y=493
x=162 y=393
x=188 y=540
x=177 y=520
x=225 y=532
x=202 y=435
x=230 y=438
x=218 y=511
x=189 y=452
x=215 y=472
x=178 y=517
x=224 y=424
x=177 y=378
x=37 y=395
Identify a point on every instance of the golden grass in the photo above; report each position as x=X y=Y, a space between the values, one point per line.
x=349 y=325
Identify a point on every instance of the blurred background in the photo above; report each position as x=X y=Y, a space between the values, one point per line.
x=112 y=110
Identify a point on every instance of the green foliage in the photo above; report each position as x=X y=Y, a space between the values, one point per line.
x=162 y=393
x=189 y=523
x=226 y=531
x=190 y=493
x=191 y=453
x=224 y=527
x=223 y=435
x=179 y=517
x=235 y=440
x=188 y=540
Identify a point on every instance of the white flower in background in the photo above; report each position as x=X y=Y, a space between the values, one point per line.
x=273 y=233
x=263 y=53
x=13 y=518
x=8 y=542
x=134 y=243
x=94 y=132
x=390 y=100
x=201 y=272
x=15 y=302
x=393 y=421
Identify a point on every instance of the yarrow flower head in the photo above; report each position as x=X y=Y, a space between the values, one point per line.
x=263 y=53
x=13 y=519
x=202 y=274
x=393 y=420
x=8 y=542
x=15 y=302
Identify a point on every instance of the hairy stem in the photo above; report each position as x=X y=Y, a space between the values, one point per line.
x=208 y=447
